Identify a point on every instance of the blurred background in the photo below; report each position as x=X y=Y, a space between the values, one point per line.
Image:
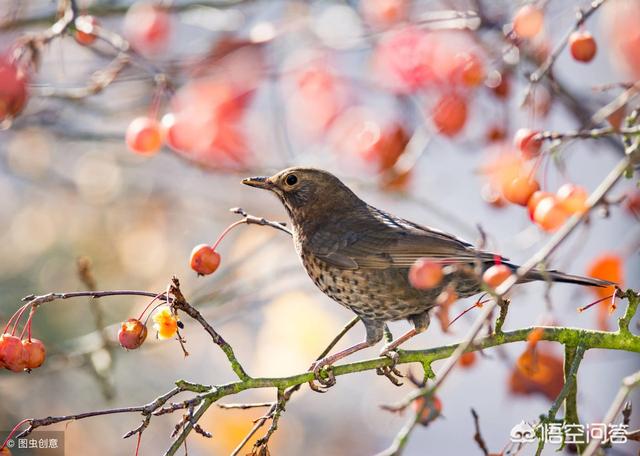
x=414 y=104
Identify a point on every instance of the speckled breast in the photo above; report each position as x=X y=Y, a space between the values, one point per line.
x=374 y=294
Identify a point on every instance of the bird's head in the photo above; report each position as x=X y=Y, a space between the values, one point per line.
x=305 y=191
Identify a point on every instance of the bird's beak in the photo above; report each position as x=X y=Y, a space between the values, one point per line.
x=258 y=182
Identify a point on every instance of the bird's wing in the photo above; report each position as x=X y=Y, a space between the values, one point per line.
x=382 y=241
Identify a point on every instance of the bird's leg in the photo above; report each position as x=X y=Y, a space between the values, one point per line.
x=374 y=335
x=420 y=324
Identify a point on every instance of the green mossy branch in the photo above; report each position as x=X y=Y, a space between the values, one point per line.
x=576 y=341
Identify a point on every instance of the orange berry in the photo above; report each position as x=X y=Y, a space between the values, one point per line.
x=204 y=260
x=572 y=198
x=492 y=196
x=132 y=334
x=165 y=323
x=534 y=200
x=13 y=356
x=431 y=411
x=496 y=274
x=520 y=189
x=35 y=351
x=528 y=21
x=85 y=36
x=425 y=274
x=144 y=136
x=549 y=214
x=472 y=71
x=467 y=359
x=502 y=88
x=608 y=266
x=582 y=45
x=450 y=114
x=527 y=143
x=4 y=451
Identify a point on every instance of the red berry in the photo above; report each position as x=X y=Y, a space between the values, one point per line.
x=582 y=45
x=13 y=356
x=502 y=87
x=13 y=89
x=132 y=334
x=36 y=352
x=534 y=200
x=520 y=189
x=450 y=114
x=431 y=410
x=496 y=274
x=84 y=30
x=425 y=274
x=572 y=198
x=467 y=359
x=204 y=260
x=528 y=21
x=144 y=136
x=527 y=143
x=632 y=203
x=471 y=70
x=549 y=214
x=148 y=27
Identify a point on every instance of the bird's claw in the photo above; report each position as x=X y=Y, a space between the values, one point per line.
x=391 y=372
x=319 y=368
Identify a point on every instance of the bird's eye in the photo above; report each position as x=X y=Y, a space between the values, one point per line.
x=291 y=179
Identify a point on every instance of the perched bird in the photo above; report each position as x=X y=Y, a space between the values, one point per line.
x=360 y=256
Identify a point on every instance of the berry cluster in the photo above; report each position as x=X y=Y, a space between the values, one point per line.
x=19 y=353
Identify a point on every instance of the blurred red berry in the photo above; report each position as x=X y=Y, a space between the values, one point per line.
x=467 y=359
x=607 y=266
x=431 y=409
x=132 y=334
x=450 y=114
x=520 y=189
x=144 y=136
x=13 y=89
x=472 y=72
x=84 y=30
x=35 y=351
x=527 y=143
x=147 y=26
x=534 y=200
x=572 y=198
x=204 y=260
x=496 y=274
x=632 y=203
x=502 y=87
x=582 y=46
x=425 y=274
x=528 y=21
x=384 y=13
x=13 y=356
x=549 y=214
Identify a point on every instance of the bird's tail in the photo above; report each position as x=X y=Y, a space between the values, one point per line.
x=557 y=276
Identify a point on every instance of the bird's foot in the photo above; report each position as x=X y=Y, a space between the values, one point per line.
x=391 y=372
x=323 y=373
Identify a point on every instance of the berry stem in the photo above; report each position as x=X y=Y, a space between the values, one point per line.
x=18 y=318
x=6 y=328
x=13 y=431
x=27 y=326
x=224 y=233
x=588 y=306
x=152 y=301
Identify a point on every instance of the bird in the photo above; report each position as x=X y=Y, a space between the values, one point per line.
x=360 y=256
